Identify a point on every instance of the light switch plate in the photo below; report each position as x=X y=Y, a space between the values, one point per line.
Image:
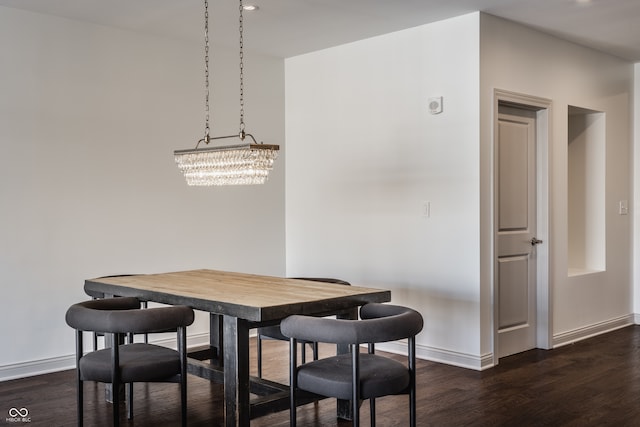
x=425 y=209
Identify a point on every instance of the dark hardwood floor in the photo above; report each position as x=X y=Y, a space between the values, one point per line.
x=595 y=382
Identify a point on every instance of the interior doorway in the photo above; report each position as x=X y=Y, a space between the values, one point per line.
x=521 y=238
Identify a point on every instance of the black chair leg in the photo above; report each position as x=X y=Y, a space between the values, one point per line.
x=80 y=403
x=183 y=400
x=115 y=377
x=259 y=351
x=116 y=404
x=182 y=349
x=372 y=411
x=355 y=383
x=412 y=408
x=130 y=401
x=129 y=388
x=412 y=385
x=79 y=383
x=293 y=381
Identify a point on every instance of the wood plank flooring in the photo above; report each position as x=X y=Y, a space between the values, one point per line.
x=595 y=382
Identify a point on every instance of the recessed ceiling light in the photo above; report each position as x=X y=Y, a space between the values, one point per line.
x=583 y=1
x=250 y=7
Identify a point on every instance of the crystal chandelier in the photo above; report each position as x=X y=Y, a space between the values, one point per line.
x=238 y=164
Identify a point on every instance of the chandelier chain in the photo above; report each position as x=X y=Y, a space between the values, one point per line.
x=239 y=164
x=206 y=70
x=241 y=28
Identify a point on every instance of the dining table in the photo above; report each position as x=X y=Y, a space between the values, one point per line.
x=237 y=303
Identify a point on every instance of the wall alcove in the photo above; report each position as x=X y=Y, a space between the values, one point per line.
x=586 y=189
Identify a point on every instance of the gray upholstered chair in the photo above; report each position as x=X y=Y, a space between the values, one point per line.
x=354 y=376
x=100 y=295
x=132 y=362
x=274 y=333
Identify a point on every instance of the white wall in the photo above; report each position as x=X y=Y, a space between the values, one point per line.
x=89 y=119
x=363 y=153
x=525 y=61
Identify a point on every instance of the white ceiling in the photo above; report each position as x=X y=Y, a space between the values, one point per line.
x=291 y=27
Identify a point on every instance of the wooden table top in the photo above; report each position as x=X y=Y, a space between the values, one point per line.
x=247 y=296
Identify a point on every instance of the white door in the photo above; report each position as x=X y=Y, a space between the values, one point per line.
x=515 y=264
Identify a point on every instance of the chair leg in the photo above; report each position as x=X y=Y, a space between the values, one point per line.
x=116 y=403
x=115 y=378
x=355 y=381
x=372 y=401
x=293 y=381
x=315 y=350
x=80 y=401
x=129 y=387
x=182 y=349
x=356 y=413
x=79 y=383
x=412 y=384
x=129 y=401
x=183 y=399
x=372 y=411
x=259 y=351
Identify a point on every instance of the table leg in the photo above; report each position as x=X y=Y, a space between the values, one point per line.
x=216 y=337
x=236 y=372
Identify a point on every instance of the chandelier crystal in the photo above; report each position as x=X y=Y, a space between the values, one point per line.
x=240 y=164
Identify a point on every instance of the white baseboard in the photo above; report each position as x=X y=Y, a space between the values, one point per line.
x=585 y=332
x=462 y=360
x=36 y=367
x=195 y=340
x=62 y=363
x=480 y=363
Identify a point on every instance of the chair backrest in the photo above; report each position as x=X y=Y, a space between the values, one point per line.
x=381 y=323
x=123 y=315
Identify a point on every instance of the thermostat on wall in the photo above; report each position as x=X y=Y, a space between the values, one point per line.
x=435 y=105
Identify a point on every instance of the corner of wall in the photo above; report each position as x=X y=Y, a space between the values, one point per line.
x=635 y=131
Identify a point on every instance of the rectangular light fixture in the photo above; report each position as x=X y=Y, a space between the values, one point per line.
x=240 y=164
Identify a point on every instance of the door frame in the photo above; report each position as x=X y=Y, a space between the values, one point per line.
x=543 y=109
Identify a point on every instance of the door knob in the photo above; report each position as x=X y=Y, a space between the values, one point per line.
x=535 y=241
